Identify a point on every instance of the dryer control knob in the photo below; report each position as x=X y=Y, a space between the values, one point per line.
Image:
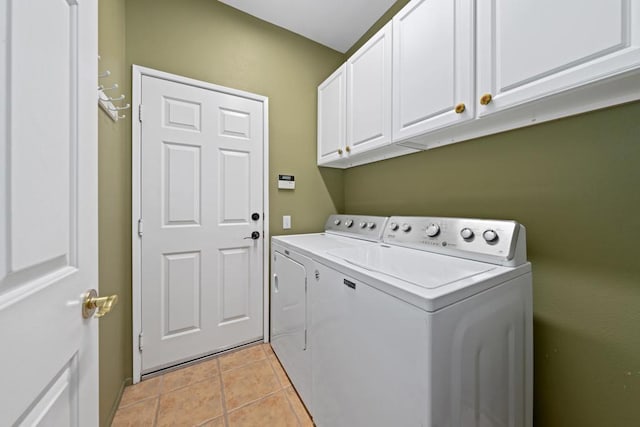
x=466 y=233
x=371 y=225
x=348 y=223
x=363 y=224
x=406 y=228
x=394 y=226
x=432 y=230
x=490 y=236
x=336 y=222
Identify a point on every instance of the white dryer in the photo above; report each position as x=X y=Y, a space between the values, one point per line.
x=293 y=268
x=430 y=327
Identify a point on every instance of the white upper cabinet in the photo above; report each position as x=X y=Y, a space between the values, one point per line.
x=433 y=70
x=529 y=49
x=331 y=117
x=369 y=94
x=439 y=71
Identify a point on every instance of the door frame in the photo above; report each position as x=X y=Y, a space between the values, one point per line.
x=136 y=185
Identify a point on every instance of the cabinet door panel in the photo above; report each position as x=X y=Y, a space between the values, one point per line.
x=369 y=94
x=432 y=66
x=331 y=116
x=533 y=48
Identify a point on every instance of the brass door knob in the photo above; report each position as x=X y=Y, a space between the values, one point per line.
x=340 y=151
x=460 y=108
x=348 y=149
x=486 y=99
x=93 y=302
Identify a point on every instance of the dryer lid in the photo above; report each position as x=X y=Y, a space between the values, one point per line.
x=424 y=269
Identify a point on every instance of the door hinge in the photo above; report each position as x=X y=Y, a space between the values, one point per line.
x=140 y=113
x=140 y=225
x=140 y=341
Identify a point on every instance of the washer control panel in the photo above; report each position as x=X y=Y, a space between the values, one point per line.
x=358 y=226
x=488 y=240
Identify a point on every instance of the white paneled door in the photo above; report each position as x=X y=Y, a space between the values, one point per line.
x=48 y=212
x=201 y=202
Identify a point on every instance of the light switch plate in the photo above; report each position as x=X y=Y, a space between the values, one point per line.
x=286 y=222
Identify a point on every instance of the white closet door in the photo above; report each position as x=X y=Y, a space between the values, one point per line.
x=48 y=212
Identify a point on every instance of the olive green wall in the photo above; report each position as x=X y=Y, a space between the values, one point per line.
x=207 y=40
x=114 y=198
x=574 y=184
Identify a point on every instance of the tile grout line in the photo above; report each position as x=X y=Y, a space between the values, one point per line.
x=295 y=413
x=244 y=405
x=225 y=414
x=155 y=419
x=144 y=399
x=275 y=373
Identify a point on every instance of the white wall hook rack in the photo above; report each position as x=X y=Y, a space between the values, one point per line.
x=106 y=102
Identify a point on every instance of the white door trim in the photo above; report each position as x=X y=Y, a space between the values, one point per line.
x=137 y=73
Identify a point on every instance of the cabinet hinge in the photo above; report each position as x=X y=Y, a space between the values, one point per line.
x=140 y=113
x=140 y=225
x=140 y=341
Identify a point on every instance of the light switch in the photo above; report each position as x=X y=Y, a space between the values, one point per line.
x=286 y=222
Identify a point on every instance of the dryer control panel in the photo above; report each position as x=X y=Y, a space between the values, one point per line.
x=358 y=226
x=495 y=241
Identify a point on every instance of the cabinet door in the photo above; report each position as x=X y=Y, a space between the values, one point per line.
x=369 y=94
x=331 y=116
x=529 y=49
x=432 y=66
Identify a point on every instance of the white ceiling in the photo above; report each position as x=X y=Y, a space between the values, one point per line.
x=337 y=24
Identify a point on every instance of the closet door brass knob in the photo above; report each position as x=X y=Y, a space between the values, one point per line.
x=460 y=108
x=348 y=149
x=92 y=302
x=340 y=151
x=486 y=99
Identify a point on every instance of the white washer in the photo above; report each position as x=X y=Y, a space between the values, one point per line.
x=293 y=269
x=430 y=327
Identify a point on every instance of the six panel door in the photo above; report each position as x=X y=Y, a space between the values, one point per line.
x=202 y=169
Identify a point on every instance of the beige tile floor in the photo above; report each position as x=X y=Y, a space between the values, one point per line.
x=245 y=388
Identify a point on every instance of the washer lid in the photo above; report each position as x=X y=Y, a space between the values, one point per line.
x=424 y=269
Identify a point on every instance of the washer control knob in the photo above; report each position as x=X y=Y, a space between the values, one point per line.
x=336 y=222
x=371 y=225
x=466 y=233
x=490 y=236
x=432 y=230
x=363 y=224
x=348 y=223
x=406 y=228
x=394 y=226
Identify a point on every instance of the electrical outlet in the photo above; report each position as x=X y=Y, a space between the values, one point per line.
x=286 y=222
